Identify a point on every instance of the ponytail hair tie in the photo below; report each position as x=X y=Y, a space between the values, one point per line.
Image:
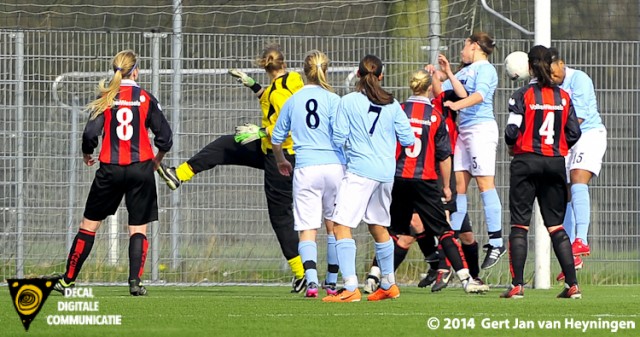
x=135 y=65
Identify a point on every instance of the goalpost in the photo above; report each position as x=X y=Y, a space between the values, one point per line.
x=542 y=36
x=542 y=278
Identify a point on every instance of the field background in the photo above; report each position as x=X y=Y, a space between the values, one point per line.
x=272 y=311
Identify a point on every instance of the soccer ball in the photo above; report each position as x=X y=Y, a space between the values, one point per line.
x=516 y=65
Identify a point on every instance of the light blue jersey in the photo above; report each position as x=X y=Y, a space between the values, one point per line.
x=370 y=133
x=308 y=115
x=481 y=77
x=583 y=96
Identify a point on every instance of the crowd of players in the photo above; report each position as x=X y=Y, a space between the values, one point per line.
x=402 y=169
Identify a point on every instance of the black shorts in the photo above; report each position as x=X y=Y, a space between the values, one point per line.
x=136 y=182
x=422 y=196
x=536 y=176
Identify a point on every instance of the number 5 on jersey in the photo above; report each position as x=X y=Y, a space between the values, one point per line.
x=414 y=151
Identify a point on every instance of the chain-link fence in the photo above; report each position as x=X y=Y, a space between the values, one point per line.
x=215 y=228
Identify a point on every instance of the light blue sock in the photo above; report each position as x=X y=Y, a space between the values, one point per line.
x=384 y=255
x=458 y=216
x=332 y=259
x=308 y=251
x=493 y=215
x=581 y=209
x=569 y=223
x=346 y=249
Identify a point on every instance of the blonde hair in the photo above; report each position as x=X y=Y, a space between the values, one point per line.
x=420 y=82
x=315 y=69
x=271 y=59
x=124 y=63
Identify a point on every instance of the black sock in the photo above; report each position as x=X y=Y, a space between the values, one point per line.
x=495 y=235
x=564 y=254
x=443 y=262
x=435 y=264
x=518 y=253
x=427 y=244
x=471 y=256
x=429 y=249
x=138 y=245
x=452 y=251
x=82 y=244
x=399 y=254
x=374 y=263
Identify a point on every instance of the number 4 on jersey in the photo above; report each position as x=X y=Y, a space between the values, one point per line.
x=546 y=129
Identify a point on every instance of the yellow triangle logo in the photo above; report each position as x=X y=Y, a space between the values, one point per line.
x=28 y=296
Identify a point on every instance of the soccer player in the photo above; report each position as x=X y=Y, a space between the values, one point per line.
x=584 y=160
x=541 y=128
x=416 y=184
x=243 y=149
x=441 y=273
x=368 y=124
x=440 y=268
x=319 y=165
x=122 y=116
x=476 y=146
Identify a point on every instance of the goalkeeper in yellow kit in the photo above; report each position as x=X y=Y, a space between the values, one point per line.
x=243 y=149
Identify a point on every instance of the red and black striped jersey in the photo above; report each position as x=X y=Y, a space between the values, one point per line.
x=541 y=120
x=432 y=141
x=123 y=126
x=449 y=115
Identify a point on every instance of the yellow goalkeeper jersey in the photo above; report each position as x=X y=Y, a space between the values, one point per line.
x=272 y=100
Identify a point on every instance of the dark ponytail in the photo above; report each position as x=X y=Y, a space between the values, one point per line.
x=369 y=70
x=540 y=65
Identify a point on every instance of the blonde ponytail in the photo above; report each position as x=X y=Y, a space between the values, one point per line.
x=315 y=68
x=124 y=63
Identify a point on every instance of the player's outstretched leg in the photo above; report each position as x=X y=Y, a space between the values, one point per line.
x=168 y=174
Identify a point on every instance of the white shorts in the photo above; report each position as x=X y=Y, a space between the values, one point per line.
x=362 y=199
x=476 y=148
x=313 y=186
x=588 y=152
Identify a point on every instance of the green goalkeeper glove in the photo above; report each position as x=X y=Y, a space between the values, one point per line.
x=247 y=133
x=242 y=77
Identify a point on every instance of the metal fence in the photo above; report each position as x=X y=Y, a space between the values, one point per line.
x=215 y=228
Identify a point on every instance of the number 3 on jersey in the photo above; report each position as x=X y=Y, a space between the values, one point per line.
x=124 y=130
x=546 y=129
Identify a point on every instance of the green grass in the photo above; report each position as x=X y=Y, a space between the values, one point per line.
x=273 y=311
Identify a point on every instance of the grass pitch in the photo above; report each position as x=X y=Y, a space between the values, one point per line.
x=272 y=311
